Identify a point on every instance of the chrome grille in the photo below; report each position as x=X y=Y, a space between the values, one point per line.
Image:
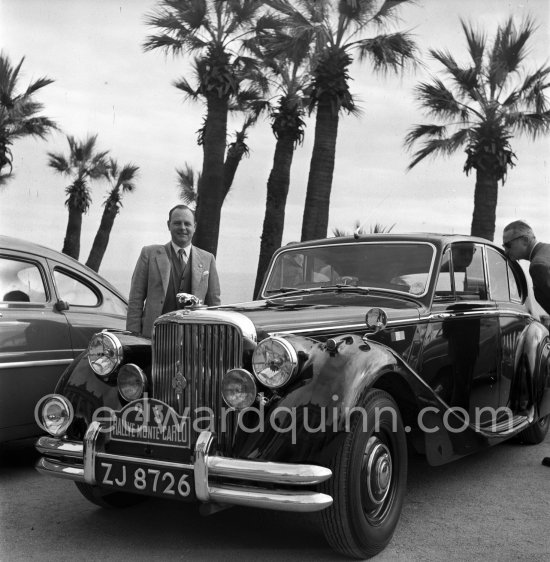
x=202 y=353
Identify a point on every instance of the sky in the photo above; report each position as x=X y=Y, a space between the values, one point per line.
x=106 y=84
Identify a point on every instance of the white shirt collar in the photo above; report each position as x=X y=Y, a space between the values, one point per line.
x=186 y=250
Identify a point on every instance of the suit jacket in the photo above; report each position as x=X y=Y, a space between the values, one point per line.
x=539 y=270
x=150 y=282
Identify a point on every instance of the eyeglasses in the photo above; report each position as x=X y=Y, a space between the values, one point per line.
x=508 y=245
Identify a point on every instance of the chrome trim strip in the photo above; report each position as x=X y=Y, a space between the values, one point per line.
x=141 y=460
x=90 y=439
x=59 y=469
x=264 y=471
x=281 y=500
x=449 y=315
x=211 y=316
x=348 y=327
x=61 y=447
x=43 y=363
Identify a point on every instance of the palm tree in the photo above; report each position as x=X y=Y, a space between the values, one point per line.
x=122 y=181
x=188 y=185
x=18 y=112
x=483 y=105
x=215 y=31
x=334 y=28
x=236 y=150
x=82 y=165
x=291 y=71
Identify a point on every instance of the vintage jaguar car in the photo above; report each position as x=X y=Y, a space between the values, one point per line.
x=307 y=399
x=50 y=307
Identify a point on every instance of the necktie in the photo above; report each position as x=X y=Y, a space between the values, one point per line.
x=182 y=257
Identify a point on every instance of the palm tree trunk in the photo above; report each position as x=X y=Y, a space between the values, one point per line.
x=485 y=205
x=277 y=192
x=230 y=166
x=101 y=239
x=319 y=185
x=211 y=188
x=71 y=244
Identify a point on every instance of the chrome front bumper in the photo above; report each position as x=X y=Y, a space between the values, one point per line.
x=60 y=452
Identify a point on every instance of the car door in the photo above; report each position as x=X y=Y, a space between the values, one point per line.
x=461 y=350
x=513 y=318
x=35 y=345
x=88 y=306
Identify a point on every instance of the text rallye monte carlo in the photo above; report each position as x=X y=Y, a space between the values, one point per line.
x=305 y=400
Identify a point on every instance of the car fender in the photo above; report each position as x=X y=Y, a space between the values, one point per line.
x=533 y=354
x=87 y=392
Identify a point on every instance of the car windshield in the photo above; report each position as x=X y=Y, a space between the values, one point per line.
x=398 y=266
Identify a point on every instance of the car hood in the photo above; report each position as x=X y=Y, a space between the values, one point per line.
x=309 y=316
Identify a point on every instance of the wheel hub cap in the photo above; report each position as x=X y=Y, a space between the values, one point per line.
x=378 y=472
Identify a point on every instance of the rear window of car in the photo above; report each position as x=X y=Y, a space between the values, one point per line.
x=21 y=281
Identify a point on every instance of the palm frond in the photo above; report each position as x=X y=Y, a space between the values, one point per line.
x=389 y=52
x=188 y=182
x=440 y=146
x=477 y=43
x=419 y=131
x=437 y=100
x=388 y=9
x=508 y=52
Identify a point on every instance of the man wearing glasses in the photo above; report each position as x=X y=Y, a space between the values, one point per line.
x=520 y=243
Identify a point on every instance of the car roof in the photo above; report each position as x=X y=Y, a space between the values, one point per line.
x=24 y=246
x=438 y=239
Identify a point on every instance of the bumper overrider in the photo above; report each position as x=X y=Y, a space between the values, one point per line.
x=208 y=478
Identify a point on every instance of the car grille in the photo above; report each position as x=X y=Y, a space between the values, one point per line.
x=202 y=353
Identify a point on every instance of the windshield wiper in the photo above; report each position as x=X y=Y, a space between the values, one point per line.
x=343 y=287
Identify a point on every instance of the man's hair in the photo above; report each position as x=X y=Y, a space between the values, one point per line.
x=183 y=208
x=520 y=228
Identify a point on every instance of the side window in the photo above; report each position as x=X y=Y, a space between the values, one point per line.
x=74 y=291
x=469 y=276
x=21 y=281
x=515 y=293
x=498 y=276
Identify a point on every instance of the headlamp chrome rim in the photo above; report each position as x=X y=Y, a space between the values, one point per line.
x=292 y=357
x=136 y=371
x=251 y=395
x=43 y=412
x=116 y=359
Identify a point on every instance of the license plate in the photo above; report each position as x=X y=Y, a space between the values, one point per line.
x=170 y=483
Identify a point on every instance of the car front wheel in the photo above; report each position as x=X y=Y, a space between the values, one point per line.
x=369 y=479
x=535 y=433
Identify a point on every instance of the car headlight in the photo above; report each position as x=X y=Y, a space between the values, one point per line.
x=104 y=353
x=238 y=389
x=54 y=413
x=274 y=362
x=131 y=382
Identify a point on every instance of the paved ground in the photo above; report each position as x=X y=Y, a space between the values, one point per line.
x=493 y=506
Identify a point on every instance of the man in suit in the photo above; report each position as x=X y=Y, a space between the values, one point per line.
x=520 y=243
x=163 y=271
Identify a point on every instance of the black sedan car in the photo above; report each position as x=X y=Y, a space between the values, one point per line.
x=308 y=399
x=50 y=306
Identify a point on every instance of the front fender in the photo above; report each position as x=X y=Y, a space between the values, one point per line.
x=305 y=421
x=87 y=392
